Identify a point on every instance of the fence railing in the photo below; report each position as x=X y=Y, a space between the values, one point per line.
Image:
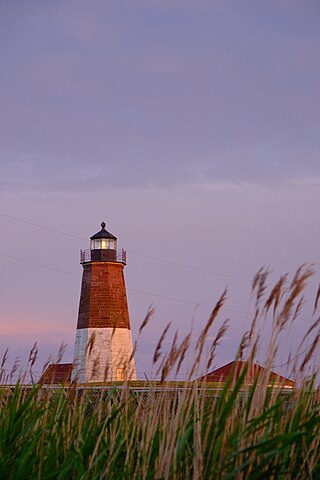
x=103 y=255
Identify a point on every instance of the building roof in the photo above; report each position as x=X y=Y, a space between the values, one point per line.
x=103 y=233
x=235 y=368
x=57 y=373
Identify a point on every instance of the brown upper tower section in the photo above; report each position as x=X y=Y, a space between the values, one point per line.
x=103 y=300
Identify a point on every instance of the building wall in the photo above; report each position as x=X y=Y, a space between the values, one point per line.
x=103 y=354
x=103 y=300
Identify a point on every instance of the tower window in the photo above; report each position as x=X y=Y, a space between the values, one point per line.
x=120 y=374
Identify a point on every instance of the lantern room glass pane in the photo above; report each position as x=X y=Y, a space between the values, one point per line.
x=103 y=244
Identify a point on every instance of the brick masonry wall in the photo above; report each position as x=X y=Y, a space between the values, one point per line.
x=103 y=300
x=100 y=353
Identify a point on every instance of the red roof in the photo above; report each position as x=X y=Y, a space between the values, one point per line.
x=57 y=373
x=254 y=370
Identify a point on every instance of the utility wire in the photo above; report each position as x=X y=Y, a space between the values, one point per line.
x=192 y=267
x=47 y=267
x=182 y=301
x=163 y=260
x=130 y=289
x=294 y=358
x=66 y=234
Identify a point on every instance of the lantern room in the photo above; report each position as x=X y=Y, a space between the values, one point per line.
x=103 y=246
x=103 y=240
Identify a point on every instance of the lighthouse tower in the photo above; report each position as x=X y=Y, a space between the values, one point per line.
x=103 y=345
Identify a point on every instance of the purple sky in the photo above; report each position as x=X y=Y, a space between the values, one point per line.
x=190 y=127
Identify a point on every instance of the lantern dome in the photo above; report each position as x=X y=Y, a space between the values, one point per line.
x=103 y=240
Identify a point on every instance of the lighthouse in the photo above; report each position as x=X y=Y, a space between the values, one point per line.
x=103 y=344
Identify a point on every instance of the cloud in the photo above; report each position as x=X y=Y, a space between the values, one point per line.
x=147 y=93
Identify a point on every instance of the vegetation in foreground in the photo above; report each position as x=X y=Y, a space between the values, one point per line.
x=181 y=431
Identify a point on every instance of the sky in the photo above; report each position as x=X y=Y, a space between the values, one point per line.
x=190 y=127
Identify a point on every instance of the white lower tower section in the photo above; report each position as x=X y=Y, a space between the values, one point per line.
x=102 y=355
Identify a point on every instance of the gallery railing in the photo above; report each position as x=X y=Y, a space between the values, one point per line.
x=103 y=255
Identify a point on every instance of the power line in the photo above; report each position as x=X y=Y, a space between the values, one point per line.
x=294 y=358
x=192 y=267
x=152 y=295
x=43 y=227
x=47 y=267
x=182 y=301
x=163 y=260
x=60 y=232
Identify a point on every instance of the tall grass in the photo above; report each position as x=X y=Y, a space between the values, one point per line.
x=190 y=430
